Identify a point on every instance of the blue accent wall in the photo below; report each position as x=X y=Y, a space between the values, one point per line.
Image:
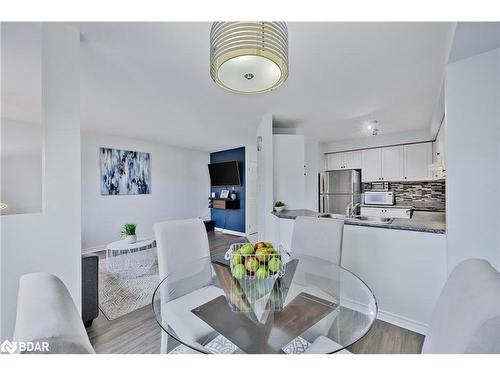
x=230 y=219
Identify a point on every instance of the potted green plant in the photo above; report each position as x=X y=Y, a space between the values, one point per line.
x=279 y=206
x=128 y=232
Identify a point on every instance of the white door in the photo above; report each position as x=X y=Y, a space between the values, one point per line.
x=371 y=165
x=334 y=161
x=392 y=163
x=251 y=197
x=417 y=158
x=352 y=160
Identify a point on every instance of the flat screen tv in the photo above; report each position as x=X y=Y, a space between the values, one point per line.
x=224 y=174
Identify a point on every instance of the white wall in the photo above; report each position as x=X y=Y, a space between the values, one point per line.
x=289 y=182
x=50 y=241
x=179 y=189
x=265 y=179
x=21 y=184
x=472 y=159
x=251 y=212
x=315 y=161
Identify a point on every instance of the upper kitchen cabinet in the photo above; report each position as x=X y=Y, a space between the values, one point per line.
x=343 y=160
x=334 y=161
x=417 y=158
x=352 y=160
x=392 y=163
x=371 y=165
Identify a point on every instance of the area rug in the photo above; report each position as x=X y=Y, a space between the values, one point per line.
x=119 y=296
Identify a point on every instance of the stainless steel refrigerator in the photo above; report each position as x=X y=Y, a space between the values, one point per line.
x=339 y=190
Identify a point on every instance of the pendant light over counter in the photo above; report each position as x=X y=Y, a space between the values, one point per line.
x=249 y=57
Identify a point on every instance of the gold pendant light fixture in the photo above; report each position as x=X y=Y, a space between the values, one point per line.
x=249 y=57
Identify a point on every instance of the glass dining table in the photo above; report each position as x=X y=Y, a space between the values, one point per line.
x=314 y=307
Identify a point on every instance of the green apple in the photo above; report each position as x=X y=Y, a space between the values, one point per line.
x=263 y=254
x=237 y=257
x=251 y=264
x=259 y=245
x=262 y=272
x=269 y=245
x=247 y=249
x=239 y=271
x=274 y=265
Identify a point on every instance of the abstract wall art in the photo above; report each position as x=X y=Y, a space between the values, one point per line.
x=124 y=172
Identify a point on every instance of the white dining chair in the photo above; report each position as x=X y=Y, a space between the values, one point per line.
x=46 y=313
x=466 y=318
x=318 y=237
x=179 y=244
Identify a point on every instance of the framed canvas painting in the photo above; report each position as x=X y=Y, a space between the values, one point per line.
x=124 y=172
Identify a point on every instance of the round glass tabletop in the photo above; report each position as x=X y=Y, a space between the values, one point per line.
x=315 y=307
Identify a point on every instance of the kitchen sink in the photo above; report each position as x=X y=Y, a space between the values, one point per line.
x=368 y=219
x=333 y=216
x=373 y=219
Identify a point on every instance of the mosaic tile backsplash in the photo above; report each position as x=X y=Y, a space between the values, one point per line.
x=430 y=194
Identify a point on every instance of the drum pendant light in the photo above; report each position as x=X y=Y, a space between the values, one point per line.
x=249 y=57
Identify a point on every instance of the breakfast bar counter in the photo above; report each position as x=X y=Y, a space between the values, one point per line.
x=421 y=221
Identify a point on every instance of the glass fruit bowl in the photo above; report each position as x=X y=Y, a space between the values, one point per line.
x=260 y=261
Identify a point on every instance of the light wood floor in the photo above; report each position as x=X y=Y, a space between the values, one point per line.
x=138 y=332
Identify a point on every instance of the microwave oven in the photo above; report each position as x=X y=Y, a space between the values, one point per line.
x=379 y=197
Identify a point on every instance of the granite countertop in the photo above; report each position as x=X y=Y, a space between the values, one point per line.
x=421 y=221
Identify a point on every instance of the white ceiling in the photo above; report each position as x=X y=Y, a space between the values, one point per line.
x=151 y=81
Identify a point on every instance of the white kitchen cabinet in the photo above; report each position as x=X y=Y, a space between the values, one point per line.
x=390 y=212
x=334 y=161
x=343 y=160
x=392 y=263
x=352 y=159
x=372 y=211
x=417 y=158
x=392 y=163
x=371 y=165
x=405 y=270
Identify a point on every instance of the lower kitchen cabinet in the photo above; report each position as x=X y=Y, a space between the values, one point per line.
x=390 y=212
x=406 y=270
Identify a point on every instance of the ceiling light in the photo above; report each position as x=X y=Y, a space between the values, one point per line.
x=3 y=206
x=249 y=57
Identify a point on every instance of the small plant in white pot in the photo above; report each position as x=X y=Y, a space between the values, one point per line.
x=128 y=232
x=279 y=206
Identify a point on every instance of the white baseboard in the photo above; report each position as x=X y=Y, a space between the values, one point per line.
x=228 y=231
x=403 y=322
x=94 y=249
x=389 y=317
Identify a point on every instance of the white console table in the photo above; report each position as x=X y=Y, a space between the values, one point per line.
x=130 y=259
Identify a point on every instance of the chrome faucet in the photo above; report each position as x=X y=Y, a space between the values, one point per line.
x=351 y=209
